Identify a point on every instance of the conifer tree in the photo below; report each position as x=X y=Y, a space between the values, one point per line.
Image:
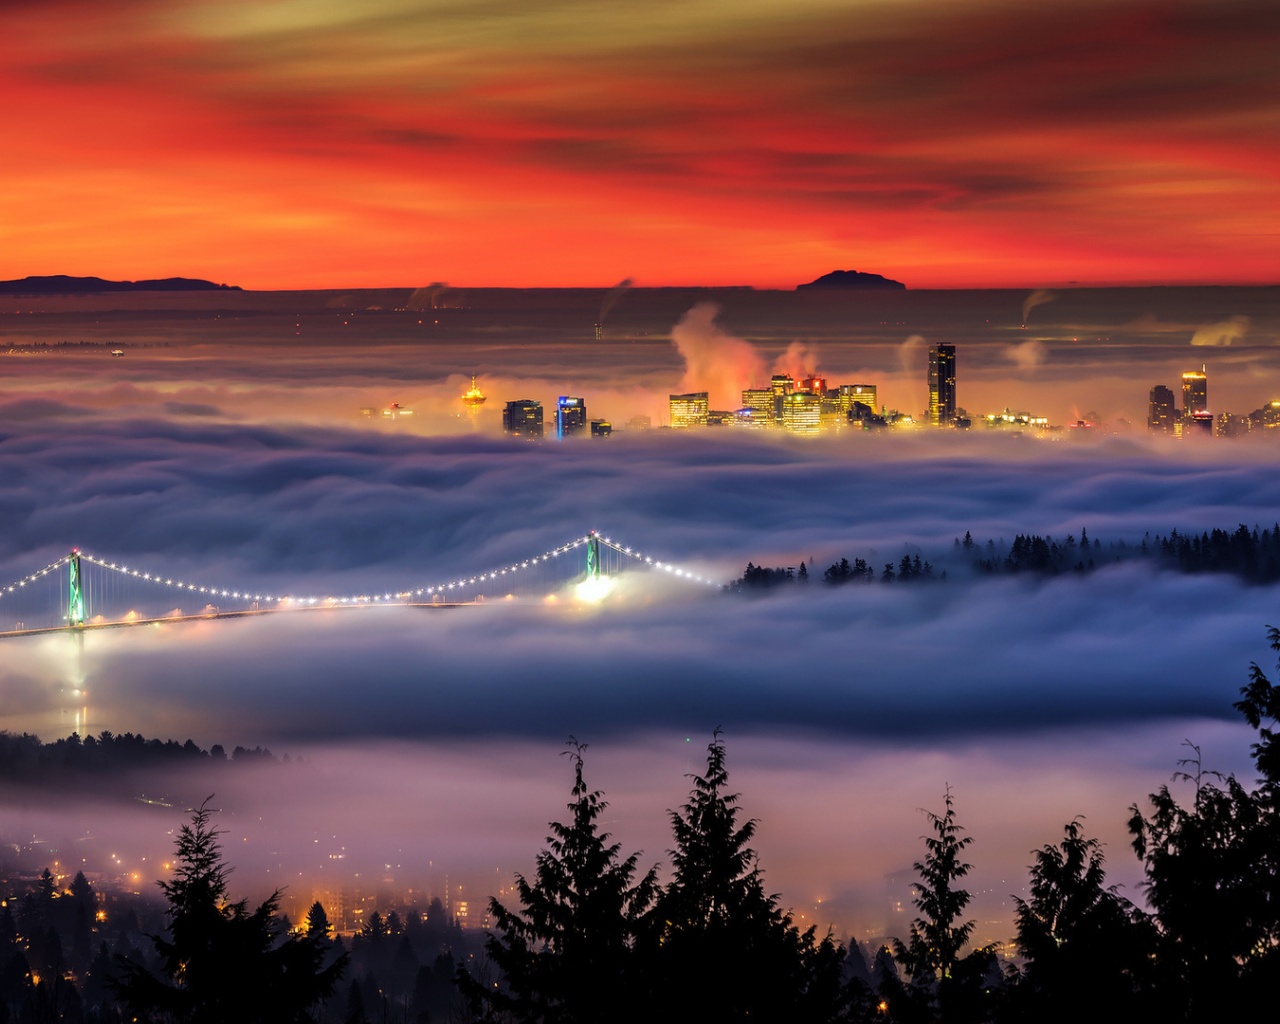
x=1213 y=873
x=1084 y=946
x=318 y=925
x=939 y=977
x=220 y=961
x=938 y=935
x=727 y=948
x=717 y=879
x=569 y=953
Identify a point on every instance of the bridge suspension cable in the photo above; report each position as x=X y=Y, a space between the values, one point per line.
x=657 y=564
x=396 y=595
x=80 y=591
x=17 y=585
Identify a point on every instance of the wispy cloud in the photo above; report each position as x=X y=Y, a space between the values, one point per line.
x=548 y=143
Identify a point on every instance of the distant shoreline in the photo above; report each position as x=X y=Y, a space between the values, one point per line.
x=61 y=284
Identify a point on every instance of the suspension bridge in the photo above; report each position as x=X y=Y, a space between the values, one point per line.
x=82 y=591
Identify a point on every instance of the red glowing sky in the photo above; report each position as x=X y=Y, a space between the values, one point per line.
x=947 y=143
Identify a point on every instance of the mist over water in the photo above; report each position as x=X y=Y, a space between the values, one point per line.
x=234 y=451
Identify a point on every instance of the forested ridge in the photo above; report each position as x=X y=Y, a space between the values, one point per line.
x=113 y=765
x=1252 y=555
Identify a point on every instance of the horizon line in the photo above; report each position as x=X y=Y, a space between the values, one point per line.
x=230 y=286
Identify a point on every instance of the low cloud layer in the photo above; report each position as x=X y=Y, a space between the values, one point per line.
x=1027 y=355
x=434 y=733
x=1003 y=658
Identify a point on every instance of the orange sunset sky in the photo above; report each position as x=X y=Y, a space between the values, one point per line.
x=945 y=143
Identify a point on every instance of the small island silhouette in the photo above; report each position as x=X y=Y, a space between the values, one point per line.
x=851 y=280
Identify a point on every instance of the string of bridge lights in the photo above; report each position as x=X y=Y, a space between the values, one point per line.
x=388 y=597
x=674 y=570
x=17 y=585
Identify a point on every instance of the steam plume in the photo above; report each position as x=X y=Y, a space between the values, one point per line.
x=715 y=362
x=798 y=360
x=1027 y=355
x=1222 y=334
x=908 y=354
x=611 y=298
x=1037 y=298
x=428 y=297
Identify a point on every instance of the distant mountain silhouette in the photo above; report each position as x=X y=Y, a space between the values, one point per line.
x=61 y=284
x=850 y=280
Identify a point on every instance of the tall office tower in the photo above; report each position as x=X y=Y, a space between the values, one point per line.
x=689 y=410
x=523 y=418
x=781 y=384
x=1195 y=394
x=1160 y=411
x=942 y=385
x=802 y=412
x=864 y=393
x=761 y=403
x=1267 y=417
x=571 y=416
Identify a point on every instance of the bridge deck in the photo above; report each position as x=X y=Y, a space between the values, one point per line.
x=89 y=627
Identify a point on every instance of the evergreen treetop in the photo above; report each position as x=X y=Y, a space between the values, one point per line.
x=568 y=954
x=220 y=961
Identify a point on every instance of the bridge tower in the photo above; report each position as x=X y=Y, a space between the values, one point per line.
x=593 y=556
x=75 y=590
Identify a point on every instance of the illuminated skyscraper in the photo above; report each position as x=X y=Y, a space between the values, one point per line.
x=571 y=416
x=801 y=412
x=1160 y=411
x=1195 y=393
x=689 y=410
x=864 y=393
x=762 y=403
x=523 y=418
x=942 y=385
x=1267 y=417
